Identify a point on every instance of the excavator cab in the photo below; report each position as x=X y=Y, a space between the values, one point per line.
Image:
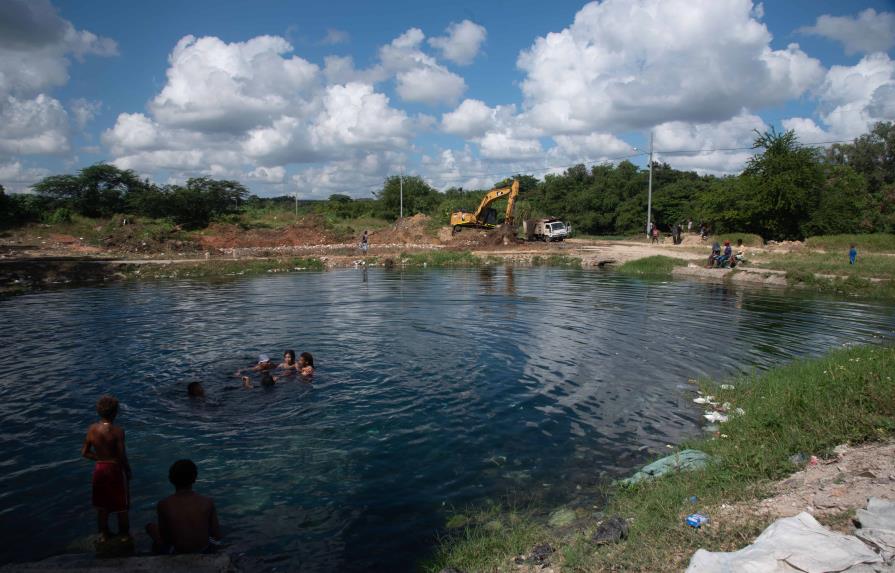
x=485 y=216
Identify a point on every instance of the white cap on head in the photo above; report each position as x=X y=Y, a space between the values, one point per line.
x=263 y=358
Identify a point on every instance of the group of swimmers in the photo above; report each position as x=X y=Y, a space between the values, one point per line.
x=187 y=522
x=304 y=367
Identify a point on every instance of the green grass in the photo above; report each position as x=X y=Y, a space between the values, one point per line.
x=749 y=239
x=868 y=265
x=441 y=259
x=224 y=268
x=655 y=266
x=809 y=406
x=872 y=243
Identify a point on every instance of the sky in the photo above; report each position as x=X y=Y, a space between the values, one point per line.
x=318 y=98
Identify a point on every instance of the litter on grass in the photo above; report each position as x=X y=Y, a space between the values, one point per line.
x=681 y=461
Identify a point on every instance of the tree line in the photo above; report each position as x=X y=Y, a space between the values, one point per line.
x=786 y=191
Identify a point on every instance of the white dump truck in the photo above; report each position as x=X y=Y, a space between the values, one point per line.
x=544 y=230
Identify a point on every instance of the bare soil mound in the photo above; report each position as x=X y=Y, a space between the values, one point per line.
x=481 y=238
x=409 y=230
x=309 y=231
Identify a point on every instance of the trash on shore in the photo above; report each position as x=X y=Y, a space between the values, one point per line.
x=797 y=543
x=715 y=417
x=704 y=400
x=727 y=386
x=696 y=520
x=681 y=461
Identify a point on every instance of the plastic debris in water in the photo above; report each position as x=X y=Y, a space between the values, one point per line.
x=715 y=417
x=697 y=520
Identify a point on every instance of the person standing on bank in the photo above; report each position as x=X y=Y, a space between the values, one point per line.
x=364 y=243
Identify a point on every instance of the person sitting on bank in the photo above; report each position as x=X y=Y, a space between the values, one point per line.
x=725 y=257
x=187 y=521
x=716 y=252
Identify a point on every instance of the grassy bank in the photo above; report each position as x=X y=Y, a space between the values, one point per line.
x=655 y=266
x=224 y=268
x=807 y=407
x=871 y=242
x=441 y=259
x=872 y=276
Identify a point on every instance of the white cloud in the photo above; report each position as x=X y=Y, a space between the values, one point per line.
x=431 y=85
x=218 y=86
x=732 y=134
x=634 y=64
x=869 y=31
x=505 y=146
x=850 y=100
x=17 y=178
x=84 y=111
x=335 y=36
x=593 y=146
x=35 y=46
x=462 y=43
x=276 y=174
x=355 y=115
x=359 y=176
x=33 y=126
x=473 y=118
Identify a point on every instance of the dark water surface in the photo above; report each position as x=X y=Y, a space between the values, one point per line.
x=434 y=390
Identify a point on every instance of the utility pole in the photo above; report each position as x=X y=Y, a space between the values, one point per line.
x=401 y=184
x=296 y=203
x=649 y=197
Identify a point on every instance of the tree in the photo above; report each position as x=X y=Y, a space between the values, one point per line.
x=96 y=191
x=788 y=180
x=419 y=196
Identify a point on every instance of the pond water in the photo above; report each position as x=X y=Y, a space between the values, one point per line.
x=434 y=390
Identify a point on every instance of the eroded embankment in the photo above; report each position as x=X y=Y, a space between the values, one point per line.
x=794 y=418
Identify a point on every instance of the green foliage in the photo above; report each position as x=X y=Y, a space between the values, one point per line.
x=655 y=266
x=419 y=196
x=60 y=215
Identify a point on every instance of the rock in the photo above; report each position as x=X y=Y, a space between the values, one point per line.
x=561 y=517
x=612 y=530
x=540 y=553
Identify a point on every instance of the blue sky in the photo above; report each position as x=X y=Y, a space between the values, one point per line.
x=460 y=93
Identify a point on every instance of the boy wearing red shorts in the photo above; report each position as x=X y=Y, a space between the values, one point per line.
x=105 y=445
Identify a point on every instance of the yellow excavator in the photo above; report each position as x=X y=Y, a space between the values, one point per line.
x=485 y=217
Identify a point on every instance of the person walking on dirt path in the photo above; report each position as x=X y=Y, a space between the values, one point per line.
x=852 y=254
x=655 y=238
x=364 y=243
x=689 y=225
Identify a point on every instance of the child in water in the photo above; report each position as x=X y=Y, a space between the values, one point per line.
x=305 y=364
x=104 y=445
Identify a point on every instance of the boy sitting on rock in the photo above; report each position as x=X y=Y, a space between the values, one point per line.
x=187 y=521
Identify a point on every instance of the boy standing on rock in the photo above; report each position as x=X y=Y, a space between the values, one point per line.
x=104 y=444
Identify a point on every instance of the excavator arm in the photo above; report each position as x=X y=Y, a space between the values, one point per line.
x=465 y=219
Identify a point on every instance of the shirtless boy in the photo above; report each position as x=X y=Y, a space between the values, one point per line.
x=105 y=445
x=187 y=521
